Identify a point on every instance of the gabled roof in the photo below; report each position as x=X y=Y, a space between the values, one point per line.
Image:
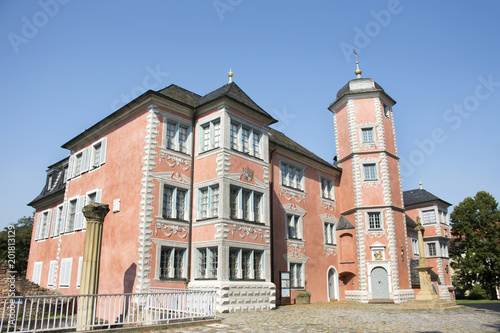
x=282 y=140
x=344 y=224
x=418 y=196
x=180 y=94
x=232 y=91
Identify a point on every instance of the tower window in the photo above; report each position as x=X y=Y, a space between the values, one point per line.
x=374 y=221
x=370 y=171
x=386 y=110
x=367 y=134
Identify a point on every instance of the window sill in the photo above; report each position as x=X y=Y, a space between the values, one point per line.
x=207 y=151
x=207 y=219
x=249 y=280
x=292 y=188
x=247 y=221
x=246 y=154
x=206 y=279
x=171 y=280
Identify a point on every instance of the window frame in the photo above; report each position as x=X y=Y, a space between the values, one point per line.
x=207 y=269
x=52 y=269
x=174 y=203
x=237 y=208
x=295 y=221
x=375 y=171
x=210 y=135
x=211 y=208
x=330 y=233
x=237 y=142
x=251 y=272
x=380 y=221
x=327 y=185
x=434 y=252
x=177 y=145
x=286 y=169
x=425 y=219
x=370 y=132
x=65 y=275
x=386 y=110
x=172 y=263
x=297 y=275
x=37 y=272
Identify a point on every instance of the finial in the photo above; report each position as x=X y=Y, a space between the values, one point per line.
x=420 y=185
x=358 y=71
x=230 y=74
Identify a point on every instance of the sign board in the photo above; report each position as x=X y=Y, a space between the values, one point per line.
x=285 y=288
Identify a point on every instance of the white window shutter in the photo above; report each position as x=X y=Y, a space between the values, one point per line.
x=98 y=196
x=104 y=145
x=37 y=270
x=38 y=221
x=85 y=161
x=79 y=277
x=69 y=174
x=46 y=233
x=62 y=226
x=53 y=224
x=78 y=213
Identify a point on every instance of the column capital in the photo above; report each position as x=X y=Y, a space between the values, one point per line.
x=95 y=211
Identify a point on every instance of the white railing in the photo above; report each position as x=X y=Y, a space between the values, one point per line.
x=104 y=311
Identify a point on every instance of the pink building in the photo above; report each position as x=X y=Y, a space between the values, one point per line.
x=204 y=194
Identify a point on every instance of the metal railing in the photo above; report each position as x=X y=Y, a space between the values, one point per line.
x=104 y=311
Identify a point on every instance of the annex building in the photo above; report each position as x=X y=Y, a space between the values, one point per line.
x=205 y=195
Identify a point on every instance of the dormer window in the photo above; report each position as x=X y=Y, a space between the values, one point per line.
x=49 y=182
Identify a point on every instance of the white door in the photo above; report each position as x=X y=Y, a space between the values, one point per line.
x=332 y=283
x=380 y=283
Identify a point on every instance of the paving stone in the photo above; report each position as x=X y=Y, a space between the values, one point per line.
x=355 y=317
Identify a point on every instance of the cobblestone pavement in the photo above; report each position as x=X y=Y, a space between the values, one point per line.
x=355 y=317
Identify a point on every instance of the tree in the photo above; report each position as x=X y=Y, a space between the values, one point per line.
x=21 y=232
x=476 y=250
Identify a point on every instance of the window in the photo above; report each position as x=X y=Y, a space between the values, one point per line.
x=245 y=139
x=367 y=134
x=245 y=264
x=37 y=272
x=174 y=203
x=52 y=269
x=56 y=221
x=443 y=219
x=414 y=246
x=330 y=233
x=370 y=171
x=291 y=176
x=71 y=215
x=327 y=190
x=49 y=182
x=207 y=263
x=89 y=158
x=245 y=204
x=65 y=277
x=429 y=216
x=374 y=221
x=176 y=136
x=209 y=202
x=43 y=224
x=172 y=262
x=294 y=224
x=210 y=135
x=386 y=110
x=296 y=275
x=444 y=249
x=432 y=250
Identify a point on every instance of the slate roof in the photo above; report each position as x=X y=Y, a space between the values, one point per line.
x=58 y=178
x=418 y=196
x=410 y=223
x=282 y=140
x=232 y=91
x=344 y=224
x=180 y=94
x=346 y=89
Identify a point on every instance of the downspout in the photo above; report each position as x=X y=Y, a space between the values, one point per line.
x=191 y=187
x=271 y=214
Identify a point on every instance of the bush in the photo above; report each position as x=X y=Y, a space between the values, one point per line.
x=478 y=292
x=304 y=294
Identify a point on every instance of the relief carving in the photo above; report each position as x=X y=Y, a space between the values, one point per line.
x=169 y=229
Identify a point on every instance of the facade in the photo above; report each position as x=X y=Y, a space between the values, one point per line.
x=204 y=194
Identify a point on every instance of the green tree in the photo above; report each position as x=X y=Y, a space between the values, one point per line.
x=476 y=251
x=21 y=232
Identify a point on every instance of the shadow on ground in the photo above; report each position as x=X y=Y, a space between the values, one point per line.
x=484 y=306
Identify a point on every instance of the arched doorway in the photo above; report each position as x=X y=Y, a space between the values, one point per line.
x=380 y=283
x=333 y=284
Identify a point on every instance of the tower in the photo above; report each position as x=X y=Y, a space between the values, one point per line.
x=371 y=189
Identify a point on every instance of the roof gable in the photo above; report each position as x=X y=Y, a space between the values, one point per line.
x=417 y=196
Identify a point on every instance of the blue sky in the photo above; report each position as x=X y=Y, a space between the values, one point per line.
x=65 y=65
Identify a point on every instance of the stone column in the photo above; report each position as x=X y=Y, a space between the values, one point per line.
x=89 y=282
x=426 y=292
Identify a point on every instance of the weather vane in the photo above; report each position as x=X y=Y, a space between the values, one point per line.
x=358 y=71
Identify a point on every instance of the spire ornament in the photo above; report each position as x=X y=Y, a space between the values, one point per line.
x=358 y=71
x=230 y=74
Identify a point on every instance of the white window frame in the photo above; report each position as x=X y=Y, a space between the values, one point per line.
x=162 y=207
x=254 y=256
x=37 y=272
x=65 y=276
x=443 y=249
x=330 y=233
x=93 y=164
x=414 y=246
x=207 y=263
x=370 y=132
x=375 y=171
x=386 y=110
x=57 y=217
x=52 y=270
x=171 y=261
x=295 y=221
x=286 y=169
x=426 y=219
x=43 y=225
x=213 y=128
x=297 y=275
x=240 y=211
x=327 y=186
x=428 y=249
x=176 y=145
x=443 y=216
x=238 y=143
x=212 y=208
x=381 y=220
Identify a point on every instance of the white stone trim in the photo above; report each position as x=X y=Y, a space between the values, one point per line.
x=147 y=199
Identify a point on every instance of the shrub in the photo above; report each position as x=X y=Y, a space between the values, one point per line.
x=478 y=292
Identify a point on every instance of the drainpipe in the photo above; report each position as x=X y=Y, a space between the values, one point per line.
x=271 y=214
x=191 y=205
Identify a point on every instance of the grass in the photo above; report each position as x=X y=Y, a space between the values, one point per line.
x=475 y=301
